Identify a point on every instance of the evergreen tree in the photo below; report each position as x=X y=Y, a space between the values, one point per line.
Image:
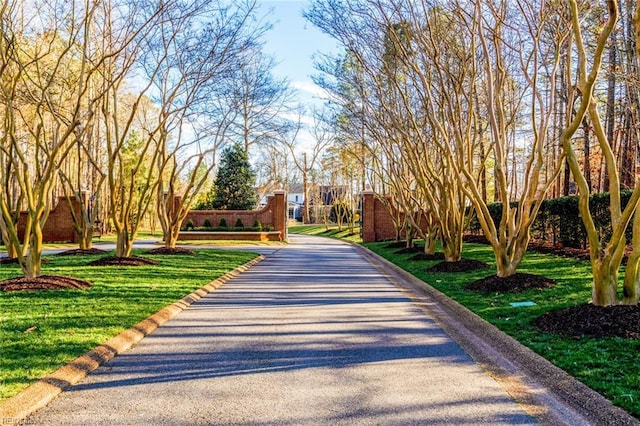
x=234 y=187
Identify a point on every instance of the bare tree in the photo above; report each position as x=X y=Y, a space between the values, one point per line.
x=605 y=253
x=209 y=46
x=310 y=156
x=49 y=61
x=260 y=102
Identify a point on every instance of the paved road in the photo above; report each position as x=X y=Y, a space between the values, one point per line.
x=312 y=335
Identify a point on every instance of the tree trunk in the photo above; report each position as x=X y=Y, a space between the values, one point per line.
x=430 y=243
x=504 y=266
x=31 y=268
x=305 y=189
x=124 y=245
x=605 y=282
x=631 y=285
x=566 y=180
x=587 y=149
x=611 y=100
x=410 y=233
x=171 y=237
x=12 y=250
x=452 y=247
x=508 y=260
x=86 y=237
x=633 y=102
x=32 y=263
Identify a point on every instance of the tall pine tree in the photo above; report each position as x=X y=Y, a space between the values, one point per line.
x=234 y=187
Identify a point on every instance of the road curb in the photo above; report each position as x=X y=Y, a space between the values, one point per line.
x=13 y=410
x=545 y=391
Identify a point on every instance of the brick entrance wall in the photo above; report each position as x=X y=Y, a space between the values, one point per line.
x=59 y=226
x=273 y=214
x=377 y=219
x=377 y=223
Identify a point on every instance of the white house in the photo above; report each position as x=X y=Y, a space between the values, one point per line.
x=295 y=200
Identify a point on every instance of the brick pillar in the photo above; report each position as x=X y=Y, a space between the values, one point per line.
x=280 y=213
x=368 y=217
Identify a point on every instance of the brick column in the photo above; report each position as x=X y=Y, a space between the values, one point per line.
x=368 y=217
x=280 y=213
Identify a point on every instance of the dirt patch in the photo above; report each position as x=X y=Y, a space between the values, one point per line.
x=594 y=321
x=81 y=252
x=515 y=283
x=171 y=251
x=425 y=256
x=44 y=282
x=463 y=265
x=123 y=261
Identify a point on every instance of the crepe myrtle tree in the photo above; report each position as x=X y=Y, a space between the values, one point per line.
x=209 y=46
x=49 y=63
x=606 y=253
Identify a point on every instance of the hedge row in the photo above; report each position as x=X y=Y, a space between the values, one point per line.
x=559 y=221
x=223 y=227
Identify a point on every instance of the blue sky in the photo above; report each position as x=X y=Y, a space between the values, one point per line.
x=293 y=41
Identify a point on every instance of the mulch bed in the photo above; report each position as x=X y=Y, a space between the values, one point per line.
x=44 y=282
x=123 y=261
x=396 y=244
x=463 y=265
x=170 y=251
x=81 y=252
x=14 y=260
x=594 y=321
x=515 y=283
x=405 y=250
x=424 y=256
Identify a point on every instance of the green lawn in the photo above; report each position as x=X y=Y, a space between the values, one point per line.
x=332 y=231
x=609 y=366
x=41 y=331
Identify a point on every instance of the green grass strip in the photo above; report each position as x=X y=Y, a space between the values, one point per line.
x=42 y=331
x=345 y=233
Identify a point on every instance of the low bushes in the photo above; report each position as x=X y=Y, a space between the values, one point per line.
x=559 y=222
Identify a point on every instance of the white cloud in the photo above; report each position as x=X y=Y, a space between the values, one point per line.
x=309 y=90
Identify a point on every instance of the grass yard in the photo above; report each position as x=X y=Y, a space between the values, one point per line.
x=607 y=365
x=345 y=233
x=41 y=331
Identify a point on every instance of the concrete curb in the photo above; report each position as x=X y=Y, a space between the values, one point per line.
x=39 y=394
x=545 y=391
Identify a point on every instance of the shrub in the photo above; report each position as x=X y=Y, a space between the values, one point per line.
x=257 y=225
x=206 y=223
x=239 y=223
x=223 y=223
x=189 y=225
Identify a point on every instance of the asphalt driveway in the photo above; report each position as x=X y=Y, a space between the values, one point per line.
x=314 y=334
